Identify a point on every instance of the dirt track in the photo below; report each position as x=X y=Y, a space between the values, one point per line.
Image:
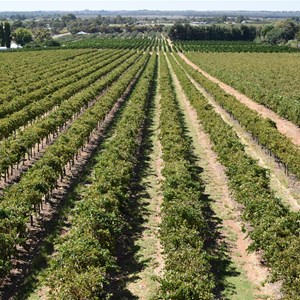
x=226 y=207
x=285 y=187
x=285 y=127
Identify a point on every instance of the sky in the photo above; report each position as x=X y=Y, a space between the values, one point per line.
x=202 y=5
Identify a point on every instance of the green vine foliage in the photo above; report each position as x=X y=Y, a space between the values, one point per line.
x=22 y=199
x=262 y=129
x=45 y=101
x=86 y=257
x=185 y=232
x=269 y=79
x=113 y=43
x=50 y=85
x=15 y=148
x=275 y=229
x=46 y=67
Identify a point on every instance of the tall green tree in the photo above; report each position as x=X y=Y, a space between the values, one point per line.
x=221 y=33
x=7 y=34
x=22 y=36
x=42 y=35
x=281 y=32
x=2 y=42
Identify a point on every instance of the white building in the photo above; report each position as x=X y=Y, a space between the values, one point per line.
x=13 y=45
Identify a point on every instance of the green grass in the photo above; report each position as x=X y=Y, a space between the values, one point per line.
x=243 y=290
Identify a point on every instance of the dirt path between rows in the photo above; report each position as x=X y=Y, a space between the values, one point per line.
x=285 y=127
x=226 y=208
x=143 y=285
x=285 y=187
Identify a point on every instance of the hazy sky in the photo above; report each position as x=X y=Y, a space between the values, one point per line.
x=23 y=5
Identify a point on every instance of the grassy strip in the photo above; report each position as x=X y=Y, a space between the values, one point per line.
x=275 y=229
x=85 y=258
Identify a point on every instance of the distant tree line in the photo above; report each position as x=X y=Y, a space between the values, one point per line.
x=217 y=33
x=73 y=24
x=102 y=24
x=19 y=33
x=28 y=31
x=39 y=32
x=5 y=34
x=278 y=33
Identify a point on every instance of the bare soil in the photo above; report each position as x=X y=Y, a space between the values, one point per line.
x=284 y=126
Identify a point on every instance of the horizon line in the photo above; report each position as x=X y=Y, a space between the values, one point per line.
x=162 y=10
